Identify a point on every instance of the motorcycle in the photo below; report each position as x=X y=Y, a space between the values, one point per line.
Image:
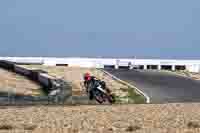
x=100 y=93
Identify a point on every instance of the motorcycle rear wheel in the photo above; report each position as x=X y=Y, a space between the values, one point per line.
x=99 y=99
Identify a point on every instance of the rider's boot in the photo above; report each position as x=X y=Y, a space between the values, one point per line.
x=90 y=95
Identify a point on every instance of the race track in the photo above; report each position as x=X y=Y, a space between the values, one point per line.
x=161 y=87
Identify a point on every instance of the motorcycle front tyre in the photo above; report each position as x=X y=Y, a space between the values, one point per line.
x=111 y=99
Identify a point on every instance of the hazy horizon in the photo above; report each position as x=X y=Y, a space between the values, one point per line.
x=145 y=29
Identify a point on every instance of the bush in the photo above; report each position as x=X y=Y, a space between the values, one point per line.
x=6 y=127
x=132 y=128
x=193 y=125
x=30 y=127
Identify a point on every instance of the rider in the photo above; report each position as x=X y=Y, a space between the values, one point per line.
x=93 y=82
x=87 y=79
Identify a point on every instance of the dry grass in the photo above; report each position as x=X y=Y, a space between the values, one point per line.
x=195 y=76
x=75 y=76
x=30 y=127
x=14 y=83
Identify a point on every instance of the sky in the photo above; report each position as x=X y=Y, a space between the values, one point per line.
x=100 y=28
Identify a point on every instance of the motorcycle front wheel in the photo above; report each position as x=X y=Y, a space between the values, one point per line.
x=111 y=99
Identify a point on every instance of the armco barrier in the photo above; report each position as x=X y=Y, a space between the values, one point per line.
x=22 y=70
x=45 y=79
x=7 y=65
x=55 y=88
x=34 y=75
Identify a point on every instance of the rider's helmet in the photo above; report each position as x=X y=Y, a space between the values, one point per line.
x=87 y=76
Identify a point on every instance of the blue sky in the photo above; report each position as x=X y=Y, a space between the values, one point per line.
x=141 y=28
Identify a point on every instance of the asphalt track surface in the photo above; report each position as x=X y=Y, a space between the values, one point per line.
x=161 y=87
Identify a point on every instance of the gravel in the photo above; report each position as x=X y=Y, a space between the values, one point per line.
x=160 y=118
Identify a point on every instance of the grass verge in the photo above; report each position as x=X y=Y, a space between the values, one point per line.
x=131 y=97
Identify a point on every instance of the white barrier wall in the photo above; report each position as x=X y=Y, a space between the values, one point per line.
x=191 y=65
x=193 y=68
x=49 y=63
